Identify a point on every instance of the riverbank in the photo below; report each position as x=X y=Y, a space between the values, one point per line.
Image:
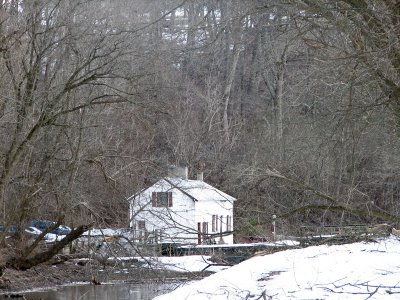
x=90 y=272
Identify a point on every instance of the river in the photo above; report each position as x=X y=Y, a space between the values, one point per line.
x=112 y=291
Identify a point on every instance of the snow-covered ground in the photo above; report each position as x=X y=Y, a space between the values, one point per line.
x=106 y=232
x=192 y=263
x=352 y=271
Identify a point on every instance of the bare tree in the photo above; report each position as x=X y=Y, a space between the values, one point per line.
x=63 y=62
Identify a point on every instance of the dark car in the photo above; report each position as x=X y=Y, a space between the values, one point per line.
x=11 y=228
x=37 y=226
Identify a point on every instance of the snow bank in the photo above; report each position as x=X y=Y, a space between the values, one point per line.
x=353 y=271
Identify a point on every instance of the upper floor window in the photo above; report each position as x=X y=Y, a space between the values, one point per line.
x=161 y=199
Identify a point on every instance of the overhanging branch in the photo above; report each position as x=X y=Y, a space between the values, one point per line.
x=334 y=204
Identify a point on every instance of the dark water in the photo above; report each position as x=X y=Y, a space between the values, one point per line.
x=120 y=291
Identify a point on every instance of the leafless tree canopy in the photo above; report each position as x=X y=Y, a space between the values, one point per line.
x=283 y=104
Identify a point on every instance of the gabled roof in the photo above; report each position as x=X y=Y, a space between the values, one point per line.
x=198 y=190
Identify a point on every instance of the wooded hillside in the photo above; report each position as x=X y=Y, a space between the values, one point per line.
x=292 y=106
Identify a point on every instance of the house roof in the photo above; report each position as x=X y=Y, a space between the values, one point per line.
x=198 y=190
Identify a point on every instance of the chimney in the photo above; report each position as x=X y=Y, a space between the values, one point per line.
x=200 y=176
x=174 y=171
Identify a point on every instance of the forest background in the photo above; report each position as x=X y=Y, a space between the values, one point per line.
x=291 y=106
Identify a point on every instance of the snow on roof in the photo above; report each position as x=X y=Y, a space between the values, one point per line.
x=352 y=271
x=198 y=189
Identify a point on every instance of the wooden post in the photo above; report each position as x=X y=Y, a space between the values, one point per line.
x=274 y=226
x=198 y=233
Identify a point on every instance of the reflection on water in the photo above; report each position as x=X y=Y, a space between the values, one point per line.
x=101 y=292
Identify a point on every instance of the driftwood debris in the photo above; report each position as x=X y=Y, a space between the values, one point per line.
x=396 y=232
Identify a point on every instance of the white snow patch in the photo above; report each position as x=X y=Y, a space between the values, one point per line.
x=191 y=263
x=105 y=232
x=352 y=271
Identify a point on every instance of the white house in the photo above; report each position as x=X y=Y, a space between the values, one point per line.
x=178 y=210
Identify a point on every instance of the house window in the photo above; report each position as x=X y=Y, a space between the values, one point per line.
x=214 y=223
x=141 y=225
x=202 y=232
x=205 y=228
x=228 y=223
x=161 y=199
x=205 y=233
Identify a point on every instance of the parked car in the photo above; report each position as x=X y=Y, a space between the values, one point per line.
x=11 y=228
x=33 y=230
x=42 y=225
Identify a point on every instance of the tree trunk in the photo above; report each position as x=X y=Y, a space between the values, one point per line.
x=24 y=263
x=228 y=87
x=279 y=102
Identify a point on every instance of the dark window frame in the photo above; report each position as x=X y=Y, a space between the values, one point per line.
x=161 y=199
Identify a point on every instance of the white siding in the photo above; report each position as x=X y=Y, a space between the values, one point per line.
x=206 y=209
x=179 y=223
x=176 y=223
